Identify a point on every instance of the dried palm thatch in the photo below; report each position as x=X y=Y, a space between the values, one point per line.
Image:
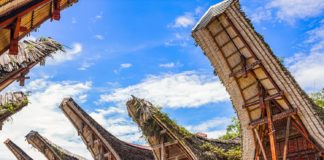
x=10 y=103
x=185 y=145
x=13 y=67
x=49 y=149
x=17 y=151
x=99 y=141
x=251 y=72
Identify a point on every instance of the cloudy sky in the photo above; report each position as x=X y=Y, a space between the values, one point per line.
x=144 y=48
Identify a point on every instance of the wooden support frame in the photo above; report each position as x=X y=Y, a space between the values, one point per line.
x=286 y=139
x=57 y=10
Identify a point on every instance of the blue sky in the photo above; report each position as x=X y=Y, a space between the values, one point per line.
x=144 y=47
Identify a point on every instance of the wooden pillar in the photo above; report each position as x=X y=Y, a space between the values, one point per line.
x=163 y=156
x=271 y=133
x=286 y=140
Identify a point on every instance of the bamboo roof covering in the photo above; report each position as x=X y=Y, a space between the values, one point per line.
x=17 y=151
x=19 y=17
x=50 y=150
x=99 y=141
x=265 y=95
x=11 y=103
x=31 y=53
x=170 y=141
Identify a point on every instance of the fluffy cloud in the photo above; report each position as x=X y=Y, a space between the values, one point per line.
x=184 y=21
x=297 y=9
x=43 y=115
x=69 y=55
x=213 y=128
x=187 y=89
x=288 y=10
x=308 y=67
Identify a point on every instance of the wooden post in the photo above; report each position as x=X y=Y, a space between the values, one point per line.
x=286 y=139
x=163 y=156
x=260 y=144
x=271 y=133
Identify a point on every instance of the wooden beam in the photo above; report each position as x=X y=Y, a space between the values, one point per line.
x=268 y=98
x=286 y=139
x=245 y=69
x=275 y=117
x=165 y=144
x=57 y=10
x=260 y=144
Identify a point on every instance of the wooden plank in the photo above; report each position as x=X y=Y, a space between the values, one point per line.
x=271 y=131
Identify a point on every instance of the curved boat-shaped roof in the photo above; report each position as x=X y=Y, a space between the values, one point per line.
x=49 y=149
x=14 y=67
x=94 y=134
x=177 y=141
x=11 y=103
x=17 y=151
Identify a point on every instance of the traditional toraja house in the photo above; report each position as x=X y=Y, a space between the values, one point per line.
x=18 y=152
x=278 y=120
x=50 y=150
x=11 y=103
x=19 y=17
x=15 y=67
x=172 y=142
x=101 y=143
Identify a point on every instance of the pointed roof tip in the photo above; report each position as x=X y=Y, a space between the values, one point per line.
x=7 y=141
x=213 y=11
x=65 y=100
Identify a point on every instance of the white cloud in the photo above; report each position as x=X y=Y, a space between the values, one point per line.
x=297 y=9
x=184 y=21
x=85 y=65
x=126 y=65
x=288 y=10
x=187 y=89
x=308 y=67
x=168 y=65
x=213 y=128
x=69 y=55
x=99 y=37
x=43 y=115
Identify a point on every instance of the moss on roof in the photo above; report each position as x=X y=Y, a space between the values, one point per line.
x=10 y=103
x=151 y=121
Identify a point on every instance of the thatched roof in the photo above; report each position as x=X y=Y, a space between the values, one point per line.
x=13 y=67
x=86 y=126
x=49 y=149
x=10 y=103
x=17 y=151
x=244 y=62
x=32 y=13
x=153 y=122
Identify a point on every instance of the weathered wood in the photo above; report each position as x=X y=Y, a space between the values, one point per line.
x=275 y=117
x=268 y=98
x=18 y=152
x=260 y=144
x=286 y=139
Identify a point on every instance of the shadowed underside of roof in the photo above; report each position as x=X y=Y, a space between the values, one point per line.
x=49 y=149
x=259 y=85
x=19 y=17
x=170 y=141
x=10 y=103
x=99 y=141
x=15 y=67
x=17 y=151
